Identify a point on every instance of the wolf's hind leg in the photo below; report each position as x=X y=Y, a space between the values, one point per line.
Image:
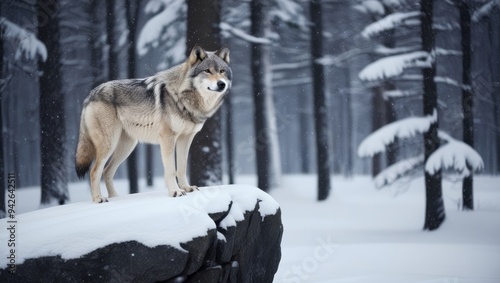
x=104 y=133
x=123 y=149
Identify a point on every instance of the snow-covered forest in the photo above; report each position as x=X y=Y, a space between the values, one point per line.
x=396 y=91
x=346 y=93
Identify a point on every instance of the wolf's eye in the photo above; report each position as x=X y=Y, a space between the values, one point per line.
x=207 y=71
x=222 y=71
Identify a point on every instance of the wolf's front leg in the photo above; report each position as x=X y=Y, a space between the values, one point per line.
x=183 y=145
x=167 y=147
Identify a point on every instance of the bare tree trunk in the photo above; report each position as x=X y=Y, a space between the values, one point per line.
x=321 y=102
x=229 y=139
x=96 y=46
x=494 y=35
x=54 y=180
x=304 y=138
x=434 y=211
x=378 y=120
x=149 y=165
x=110 y=40
x=206 y=156
x=467 y=99
x=132 y=14
x=2 y=86
x=266 y=136
x=349 y=167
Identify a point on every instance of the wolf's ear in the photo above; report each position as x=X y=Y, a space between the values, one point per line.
x=197 y=53
x=223 y=53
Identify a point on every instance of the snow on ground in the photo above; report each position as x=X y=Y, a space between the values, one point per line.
x=361 y=234
x=151 y=218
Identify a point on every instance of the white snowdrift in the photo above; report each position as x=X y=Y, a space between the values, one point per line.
x=398 y=169
x=154 y=29
x=387 y=23
x=150 y=218
x=393 y=66
x=405 y=128
x=455 y=155
x=29 y=46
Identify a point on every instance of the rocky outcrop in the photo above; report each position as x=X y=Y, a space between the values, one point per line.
x=242 y=246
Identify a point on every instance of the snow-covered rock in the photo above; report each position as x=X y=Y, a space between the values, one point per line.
x=219 y=234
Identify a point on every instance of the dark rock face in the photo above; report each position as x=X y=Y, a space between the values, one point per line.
x=250 y=253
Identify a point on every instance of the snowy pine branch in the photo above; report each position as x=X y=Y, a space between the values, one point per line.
x=29 y=46
x=397 y=93
x=384 y=50
x=485 y=10
x=455 y=155
x=399 y=169
x=394 y=66
x=389 y=22
x=437 y=79
x=290 y=12
x=406 y=128
x=371 y=7
x=241 y=34
x=161 y=28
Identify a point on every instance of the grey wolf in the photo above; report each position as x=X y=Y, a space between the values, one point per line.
x=168 y=109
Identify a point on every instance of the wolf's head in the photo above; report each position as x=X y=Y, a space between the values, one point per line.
x=210 y=71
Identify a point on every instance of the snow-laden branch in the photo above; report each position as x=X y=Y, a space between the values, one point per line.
x=387 y=23
x=372 y=7
x=392 y=173
x=393 y=66
x=29 y=46
x=455 y=155
x=405 y=128
x=290 y=66
x=485 y=10
x=241 y=34
x=437 y=79
x=384 y=50
x=447 y=52
x=157 y=28
x=291 y=12
x=397 y=93
x=337 y=60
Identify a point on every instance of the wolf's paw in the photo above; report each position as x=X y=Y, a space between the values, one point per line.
x=190 y=188
x=177 y=193
x=100 y=200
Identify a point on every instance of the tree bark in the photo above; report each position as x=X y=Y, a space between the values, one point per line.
x=494 y=36
x=132 y=14
x=321 y=102
x=229 y=140
x=2 y=85
x=467 y=99
x=149 y=165
x=266 y=136
x=111 y=41
x=434 y=211
x=206 y=156
x=54 y=180
x=96 y=57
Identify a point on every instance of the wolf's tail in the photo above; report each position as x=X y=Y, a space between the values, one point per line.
x=85 y=150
